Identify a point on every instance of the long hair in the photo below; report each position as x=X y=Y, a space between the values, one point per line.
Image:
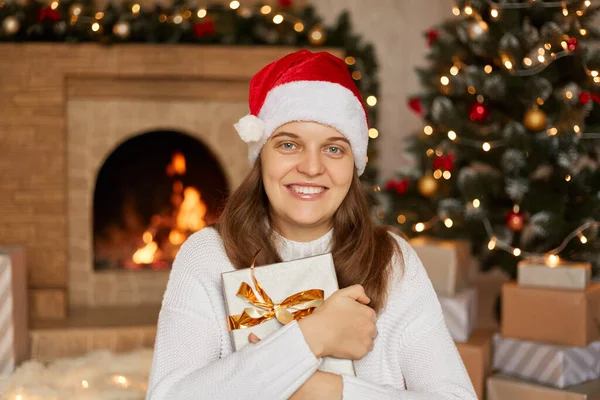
x=362 y=252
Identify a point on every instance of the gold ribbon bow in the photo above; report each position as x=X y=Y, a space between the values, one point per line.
x=263 y=308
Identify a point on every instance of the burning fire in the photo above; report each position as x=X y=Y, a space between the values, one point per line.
x=187 y=218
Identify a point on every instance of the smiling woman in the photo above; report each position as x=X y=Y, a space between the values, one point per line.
x=307 y=137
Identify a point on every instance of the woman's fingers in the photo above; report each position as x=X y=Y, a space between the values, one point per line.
x=252 y=338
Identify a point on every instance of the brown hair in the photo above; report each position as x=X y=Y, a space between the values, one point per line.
x=362 y=253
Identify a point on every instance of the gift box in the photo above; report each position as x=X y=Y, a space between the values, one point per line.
x=502 y=387
x=489 y=287
x=260 y=300
x=448 y=263
x=562 y=275
x=554 y=316
x=460 y=313
x=558 y=366
x=14 y=334
x=476 y=355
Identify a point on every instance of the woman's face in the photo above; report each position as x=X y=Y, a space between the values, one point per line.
x=307 y=169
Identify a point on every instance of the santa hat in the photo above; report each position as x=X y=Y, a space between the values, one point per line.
x=305 y=86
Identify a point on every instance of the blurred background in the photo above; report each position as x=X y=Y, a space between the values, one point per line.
x=117 y=143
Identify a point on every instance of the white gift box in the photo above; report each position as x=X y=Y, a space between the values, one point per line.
x=280 y=281
x=460 y=313
x=558 y=366
x=564 y=275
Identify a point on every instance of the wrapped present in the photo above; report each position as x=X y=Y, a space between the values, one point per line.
x=489 y=287
x=448 y=263
x=559 y=275
x=502 y=387
x=476 y=354
x=261 y=300
x=558 y=366
x=554 y=316
x=14 y=346
x=460 y=313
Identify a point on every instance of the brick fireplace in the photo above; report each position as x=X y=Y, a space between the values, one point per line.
x=64 y=109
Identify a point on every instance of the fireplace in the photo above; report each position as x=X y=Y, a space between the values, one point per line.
x=152 y=192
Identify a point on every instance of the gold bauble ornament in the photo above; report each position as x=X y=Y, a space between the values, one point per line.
x=477 y=29
x=534 y=119
x=11 y=25
x=428 y=186
x=122 y=29
x=316 y=36
x=75 y=10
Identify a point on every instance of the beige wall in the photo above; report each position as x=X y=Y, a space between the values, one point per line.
x=395 y=27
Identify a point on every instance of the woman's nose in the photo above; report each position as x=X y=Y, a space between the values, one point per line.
x=311 y=164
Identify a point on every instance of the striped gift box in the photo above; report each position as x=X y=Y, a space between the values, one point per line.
x=558 y=366
x=460 y=313
x=14 y=335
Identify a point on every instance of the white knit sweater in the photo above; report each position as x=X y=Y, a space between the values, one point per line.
x=414 y=356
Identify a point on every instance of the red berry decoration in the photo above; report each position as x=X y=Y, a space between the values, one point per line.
x=515 y=221
x=399 y=185
x=585 y=97
x=204 y=28
x=284 y=3
x=415 y=105
x=445 y=163
x=572 y=44
x=432 y=36
x=48 y=13
x=478 y=112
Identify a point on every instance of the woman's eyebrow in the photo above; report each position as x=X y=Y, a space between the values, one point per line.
x=340 y=138
x=289 y=134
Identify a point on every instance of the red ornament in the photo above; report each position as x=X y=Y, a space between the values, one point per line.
x=585 y=97
x=399 y=185
x=48 y=13
x=572 y=44
x=284 y=3
x=432 y=36
x=415 y=105
x=515 y=221
x=478 y=112
x=444 y=162
x=204 y=28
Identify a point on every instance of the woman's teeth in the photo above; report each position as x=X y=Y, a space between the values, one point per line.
x=307 y=189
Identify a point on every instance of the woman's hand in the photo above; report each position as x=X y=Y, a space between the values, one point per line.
x=343 y=327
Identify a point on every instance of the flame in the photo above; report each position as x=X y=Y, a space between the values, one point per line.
x=192 y=211
x=176 y=237
x=146 y=254
x=177 y=165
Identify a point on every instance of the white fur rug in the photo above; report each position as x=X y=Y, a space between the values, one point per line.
x=98 y=375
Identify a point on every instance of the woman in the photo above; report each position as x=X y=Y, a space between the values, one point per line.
x=307 y=133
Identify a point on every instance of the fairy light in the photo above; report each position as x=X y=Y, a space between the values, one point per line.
x=448 y=222
x=476 y=203
x=419 y=227
x=468 y=10
x=234 y=5
x=356 y=75
x=471 y=90
x=579 y=13
x=350 y=60
x=444 y=80
x=587 y=3
x=99 y=15
x=582 y=32
x=265 y=10
x=373 y=133
x=486 y=147
x=447 y=175
x=540 y=101
x=527 y=61
x=430 y=152
x=576 y=128
x=597 y=79
x=277 y=19
x=516 y=252
x=201 y=13
x=178 y=19
x=135 y=8
x=492 y=243
x=488 y=69
x=454 y=70
x=428 y=130
x=553 y=260
x=371 y=100
x=594 y=73
x=565 y=11
x=552 y=131
x=95 y=27
x=569 y=95
x=439 y=153
x=54 y=5
x=508 y=64
x=85 y=384
x=437 y=174
x=582 y=238
x=452 y=135
x=494 y=12
x=568 y=178
x=455 y=10
x=401 y=219
x=548 y=46
x=541 y=59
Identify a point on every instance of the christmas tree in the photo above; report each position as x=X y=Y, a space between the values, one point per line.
x=508 y=156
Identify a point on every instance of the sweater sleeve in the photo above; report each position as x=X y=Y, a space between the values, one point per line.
x=187 y=363
x=426 y=353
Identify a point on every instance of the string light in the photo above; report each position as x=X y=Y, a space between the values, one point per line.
x=582 y=32
x=552 y=260
x=454 y=70
x=54 y=5
x=428 y=130
x=419 y=227
x=517 y=252
x=451 y=135
x=201 y=13
x=448 y=222
x=447 y=175
x=444 y=80
x=277 y=19
x=95 y=27
x=401 y=219
x=85 y=384
x=568 y=178
x=430 y=152
x=486 y=147
x=565 y=11
x=582 y=238
x=488 y=69
x=527 y=61
x=437 y=174
x=476 y=203
x=371 y=100
x=576 y=129
x=455 y=10
x=492 y=243
x=552 y=131
x=468 y=10
x=494 y=12
x=234 y=5
x=350 y=60
x=587 y=3
x=373 y=133
x=135 y=8
x=265 y=10
x=508 y=64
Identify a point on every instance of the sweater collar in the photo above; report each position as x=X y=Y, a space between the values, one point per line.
x=292 y=250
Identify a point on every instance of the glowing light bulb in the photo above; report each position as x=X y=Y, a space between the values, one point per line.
x=508 y=64
x=553 y=260
x=420 y=227
x=265 y=10
x=486 y=146
x=201 y=13
x=488 y=69
x=373 y=133
x=552 y=131
x=85 y=384
x=437 y=174
x=517 y=252
x=468 y=10
x=448 y=222
x=527 y=61
x=401 y=219
x=476 y=203
x=492 y=243
x=371 y=100
x=278 y=19
x=234 y=5
x=454 y=71
x=582 y=238
x=444 y=80
x=428 y=130
x=447 y=175
x=494 y=13
x=455 y=10
x=568 y=178
x=451 y=135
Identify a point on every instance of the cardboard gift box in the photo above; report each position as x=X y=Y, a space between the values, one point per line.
x=502 y=387
x=554 y=316
x=460 y=313
x=476 y=355
x=489 y=287
x=282 y=288
x=448 y=263
x=563 y=275
x=14 y=333
x=558 y=366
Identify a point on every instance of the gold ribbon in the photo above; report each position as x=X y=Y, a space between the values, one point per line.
x=264 y=309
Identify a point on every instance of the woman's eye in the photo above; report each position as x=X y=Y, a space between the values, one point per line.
x=335 y=150
x=288 y=146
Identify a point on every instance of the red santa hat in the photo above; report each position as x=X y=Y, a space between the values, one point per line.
x=305 y=86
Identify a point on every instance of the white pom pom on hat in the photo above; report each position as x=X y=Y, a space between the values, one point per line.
x=305 y=86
